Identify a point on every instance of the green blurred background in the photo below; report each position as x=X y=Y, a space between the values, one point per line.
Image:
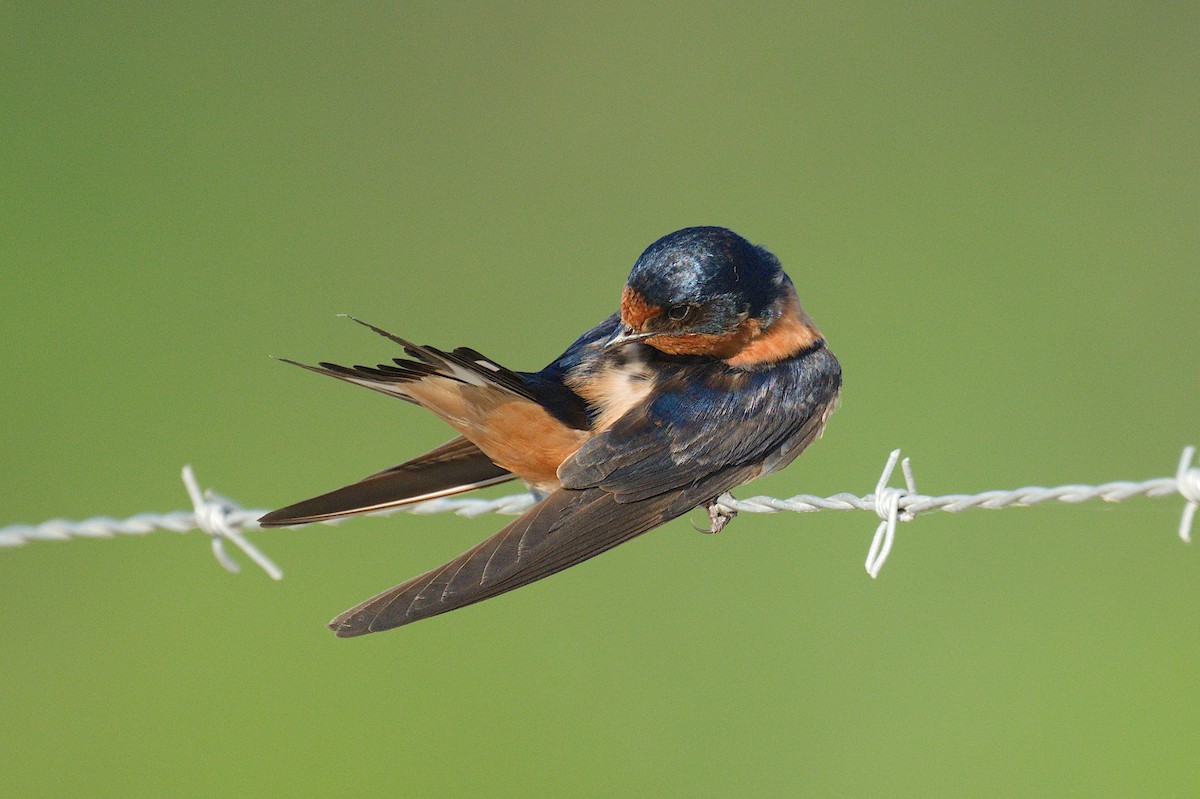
x=991 y=209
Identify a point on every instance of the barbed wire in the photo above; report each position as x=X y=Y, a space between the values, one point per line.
x=224 y=520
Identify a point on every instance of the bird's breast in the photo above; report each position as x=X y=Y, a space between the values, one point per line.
x=614 y=386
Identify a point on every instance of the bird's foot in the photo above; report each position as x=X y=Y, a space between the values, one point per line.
x=718 y=517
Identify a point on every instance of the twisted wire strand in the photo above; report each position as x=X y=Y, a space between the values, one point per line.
x=224 y=520
x=954 y=503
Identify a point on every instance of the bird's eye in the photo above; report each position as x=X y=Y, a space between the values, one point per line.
x=679 y=313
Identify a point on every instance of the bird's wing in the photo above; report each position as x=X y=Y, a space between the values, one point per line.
x=695 y=428
x=565 y=528
x=682 y=447
x=452 y=468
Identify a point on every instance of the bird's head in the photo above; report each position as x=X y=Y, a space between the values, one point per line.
x=703 y=291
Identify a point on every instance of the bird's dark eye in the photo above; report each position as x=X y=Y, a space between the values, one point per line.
x=679 y=313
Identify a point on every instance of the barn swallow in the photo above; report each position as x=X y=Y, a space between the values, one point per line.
x=709 y=376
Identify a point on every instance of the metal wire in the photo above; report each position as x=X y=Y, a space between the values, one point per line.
x=223 y=519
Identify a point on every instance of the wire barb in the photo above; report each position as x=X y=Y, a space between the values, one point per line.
x=223 y=519
x=887 y=507
x=1188 y=478
x=214 y=515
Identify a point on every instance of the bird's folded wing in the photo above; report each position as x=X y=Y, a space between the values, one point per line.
x=564 y=529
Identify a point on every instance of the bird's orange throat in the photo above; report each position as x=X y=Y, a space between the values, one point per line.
x=716 y=345
x=790 y=334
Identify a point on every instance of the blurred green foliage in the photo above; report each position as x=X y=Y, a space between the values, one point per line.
x=990 y=209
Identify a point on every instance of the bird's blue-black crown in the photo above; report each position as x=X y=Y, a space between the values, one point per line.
x=707 y=265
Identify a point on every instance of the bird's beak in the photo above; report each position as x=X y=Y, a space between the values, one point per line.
x=625 y=336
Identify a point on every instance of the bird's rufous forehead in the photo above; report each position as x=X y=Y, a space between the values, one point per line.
x=635 y=310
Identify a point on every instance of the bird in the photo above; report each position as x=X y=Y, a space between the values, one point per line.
x=710 y=375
